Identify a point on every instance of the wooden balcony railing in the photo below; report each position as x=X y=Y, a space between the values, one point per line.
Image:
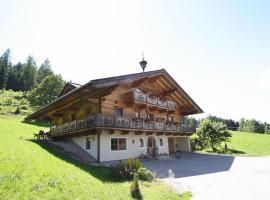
x=144 y=98
x=99 y=121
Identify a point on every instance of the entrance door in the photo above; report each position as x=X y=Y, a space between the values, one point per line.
x=151 y=146
x=171 y=142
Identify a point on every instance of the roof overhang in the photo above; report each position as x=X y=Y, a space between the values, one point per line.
x=101 y=87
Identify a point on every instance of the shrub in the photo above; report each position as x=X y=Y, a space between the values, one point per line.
x=17 y=111
x=145 y=174
x=126 y=168
x=131 y=164
x=24 y=107
x=8 y=101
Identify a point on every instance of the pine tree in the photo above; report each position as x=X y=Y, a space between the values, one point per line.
x=4 y=68
x=15 y=78
x=29 y=73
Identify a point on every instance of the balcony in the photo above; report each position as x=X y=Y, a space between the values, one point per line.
x=111 y=122
x=154 y=101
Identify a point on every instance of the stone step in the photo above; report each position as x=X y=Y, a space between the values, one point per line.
x=72 y=150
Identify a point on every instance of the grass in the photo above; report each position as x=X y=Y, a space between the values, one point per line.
x=10 y=101
x=30 y=171
x=247 y=144
x=251 y=144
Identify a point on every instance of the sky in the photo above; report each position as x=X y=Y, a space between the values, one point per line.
x=218 y=51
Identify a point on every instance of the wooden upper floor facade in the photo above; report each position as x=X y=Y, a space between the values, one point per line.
x=143 y=102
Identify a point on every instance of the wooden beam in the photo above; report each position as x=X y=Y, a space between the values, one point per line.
x=169 y=92
x=124 y=132
x=138 y=132
x=138 y=82
x=93 y=100
x=154 y=78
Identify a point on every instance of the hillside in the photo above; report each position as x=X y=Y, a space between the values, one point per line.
x=250 y=144
x=246 y=144
x=30 y=171
x=10 y=101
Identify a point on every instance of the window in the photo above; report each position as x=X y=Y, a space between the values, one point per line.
x=151 y=142
x=141 y=142
x=118 y=144
x=118 y=112
x=150 y=117
x=160 y=142
x=137 y=115
x=88 y=143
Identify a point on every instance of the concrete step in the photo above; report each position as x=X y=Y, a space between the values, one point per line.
x=72 y=150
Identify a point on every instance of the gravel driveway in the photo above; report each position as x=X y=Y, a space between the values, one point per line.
x=212 y=177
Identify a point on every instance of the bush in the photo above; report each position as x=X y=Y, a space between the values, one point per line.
x=131 y=164
x=17 y=111
x=125 y=169
x=145 y=174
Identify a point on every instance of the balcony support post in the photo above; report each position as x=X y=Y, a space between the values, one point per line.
x=98 y=147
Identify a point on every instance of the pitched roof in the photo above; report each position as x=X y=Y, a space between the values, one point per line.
x=116 y=80
x=69 y=86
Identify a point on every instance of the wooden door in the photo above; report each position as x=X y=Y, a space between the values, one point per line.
x=151 y=146
x=171 y=142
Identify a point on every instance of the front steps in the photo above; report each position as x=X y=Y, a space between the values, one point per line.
x=69 y=148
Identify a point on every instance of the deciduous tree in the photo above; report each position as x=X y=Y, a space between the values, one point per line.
x=212 y=133
x=47 y=91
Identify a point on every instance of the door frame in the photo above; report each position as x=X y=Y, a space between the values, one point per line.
x=151 y=149
x=171 y=144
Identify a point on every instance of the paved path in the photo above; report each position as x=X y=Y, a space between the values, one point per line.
x=212 y=177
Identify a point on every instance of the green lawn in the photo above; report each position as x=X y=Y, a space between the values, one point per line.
x=247 y=144
x=251 y=144
x=29 y=171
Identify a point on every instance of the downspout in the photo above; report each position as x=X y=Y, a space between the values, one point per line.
x=98 y=150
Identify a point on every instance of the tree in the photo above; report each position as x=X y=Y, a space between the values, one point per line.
x=29 y=73
x=47 y=91
x=4 y=68
x=15 y=78
x=190 y=121
x=44 y=70
x=212 y=133
x=251 y=125
x=231 y=124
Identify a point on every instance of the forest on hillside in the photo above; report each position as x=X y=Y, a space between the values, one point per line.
x=39 y=84
x=244 y=125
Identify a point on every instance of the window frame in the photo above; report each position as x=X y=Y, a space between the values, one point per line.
x=88 y=139
x=161 y=142
x=116 y=109
x=118 y=138
x=141 y=142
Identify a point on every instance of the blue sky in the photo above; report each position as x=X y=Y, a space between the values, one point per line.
x=218 y=51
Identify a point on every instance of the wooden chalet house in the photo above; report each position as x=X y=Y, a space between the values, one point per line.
x=120 y=117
